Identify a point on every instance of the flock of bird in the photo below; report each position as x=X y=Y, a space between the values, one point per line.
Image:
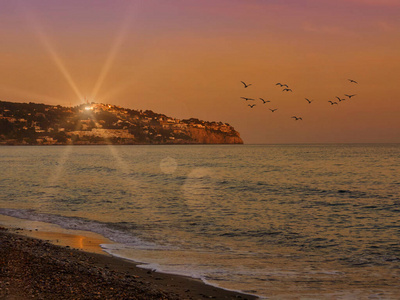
x=287 y=89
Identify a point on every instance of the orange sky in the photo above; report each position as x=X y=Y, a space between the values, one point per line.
x=186 y=58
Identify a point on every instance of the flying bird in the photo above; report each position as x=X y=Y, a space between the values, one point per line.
x=264 y=101
x=272 y=110
x=340 y=99
x=308 y=100
x=332 y=103
x=350 y=95
x=351 y=80
x=287 y=90
x=247 y=99
x=297 y=118
x=251 y=105
x=282 y=84
x=246 y=85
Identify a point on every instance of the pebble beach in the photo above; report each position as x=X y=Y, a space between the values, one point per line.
x=32 y=268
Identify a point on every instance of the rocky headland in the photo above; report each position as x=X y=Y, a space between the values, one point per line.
x=97 y=124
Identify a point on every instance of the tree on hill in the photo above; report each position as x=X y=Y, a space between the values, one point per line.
x=61 y=137
x=108 y=118
x=6 y=127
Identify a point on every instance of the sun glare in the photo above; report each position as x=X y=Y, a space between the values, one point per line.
x=39 y=32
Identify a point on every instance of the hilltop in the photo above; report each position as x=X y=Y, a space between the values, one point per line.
x=96 y=124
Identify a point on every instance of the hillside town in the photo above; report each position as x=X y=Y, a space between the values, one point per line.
x=97 y=124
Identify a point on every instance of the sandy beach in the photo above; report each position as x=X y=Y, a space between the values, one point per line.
x=37 y=269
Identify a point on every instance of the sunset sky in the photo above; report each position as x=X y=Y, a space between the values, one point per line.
x=186 y=58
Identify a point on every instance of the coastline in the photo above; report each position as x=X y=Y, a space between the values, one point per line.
x=47 y=265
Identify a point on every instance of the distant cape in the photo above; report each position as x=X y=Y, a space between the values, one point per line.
x=99 y=124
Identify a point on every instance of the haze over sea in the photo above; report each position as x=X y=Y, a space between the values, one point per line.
x=278 y=221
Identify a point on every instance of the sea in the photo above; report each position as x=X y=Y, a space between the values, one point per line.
x=308 y=221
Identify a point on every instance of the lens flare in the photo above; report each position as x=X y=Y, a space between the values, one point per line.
x=168 y=165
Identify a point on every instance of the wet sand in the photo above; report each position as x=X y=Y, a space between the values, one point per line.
x=37 y=269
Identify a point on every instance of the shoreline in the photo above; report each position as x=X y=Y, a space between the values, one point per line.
x=46 y=265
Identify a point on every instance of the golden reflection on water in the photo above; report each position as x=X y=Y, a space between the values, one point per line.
x=81 y=242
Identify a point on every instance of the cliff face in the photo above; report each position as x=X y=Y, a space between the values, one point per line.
x=204 y=136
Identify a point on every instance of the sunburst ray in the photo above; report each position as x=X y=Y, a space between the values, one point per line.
x=39 y=32
x=116 y=45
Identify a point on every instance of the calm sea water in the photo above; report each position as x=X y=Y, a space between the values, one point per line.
x=278 y=221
